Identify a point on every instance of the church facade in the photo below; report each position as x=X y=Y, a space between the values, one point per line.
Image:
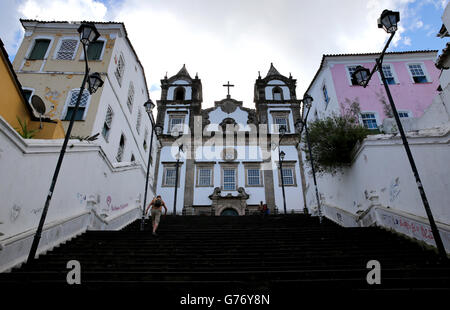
x=228 y=156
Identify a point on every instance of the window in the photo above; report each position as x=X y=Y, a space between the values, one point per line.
x=417 y=73
x=82 y=107
x=145 y=139
x=388 y=75
x=369 y=120
x=277 y=94
x=288 y=176
x=229 y=179
x=67 y=49
x=280 y=121
x=176 y=122
x=138 y=122
x=351 y=70
x=121 y=149
x=107 y=124
x=403 y=114
x=253 y=177
x=179 y=93
x=204 y=176
x=120 y=69
x=130 y=97
x=39 y=49
x=133 y=159
x=94 y=51
x=325 y=95
x=170 y=176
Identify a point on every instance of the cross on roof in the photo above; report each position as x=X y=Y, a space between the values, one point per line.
x=228 y=85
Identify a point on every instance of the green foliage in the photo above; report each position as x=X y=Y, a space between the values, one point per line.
x=332 y=141
x=24 y=131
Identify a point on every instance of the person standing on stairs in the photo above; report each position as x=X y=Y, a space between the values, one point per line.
x=157 y=204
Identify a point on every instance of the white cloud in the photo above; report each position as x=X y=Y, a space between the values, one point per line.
x=70 y=10
x=407 y=41
x=232 y=40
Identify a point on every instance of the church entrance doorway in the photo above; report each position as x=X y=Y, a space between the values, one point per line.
x=229 y=212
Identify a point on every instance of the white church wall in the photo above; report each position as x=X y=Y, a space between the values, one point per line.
x=217 y=116
x=294 y=196
x=88 y=183
x=168 y=154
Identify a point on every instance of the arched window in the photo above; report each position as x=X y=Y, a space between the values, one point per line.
x=277 y=93
x=179 y=93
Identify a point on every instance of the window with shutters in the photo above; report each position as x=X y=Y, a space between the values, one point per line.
x=67 y=49
x=130 y=97
x=39 y=49
x=138 y=122
x=82 y=108
x=170 y=176
x=120 y=69
x=95 y=49
x=350 y=71
x=107 y=124
x=121 y=150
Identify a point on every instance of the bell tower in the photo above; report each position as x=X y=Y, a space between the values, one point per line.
x=274 y=91
x=180 y=90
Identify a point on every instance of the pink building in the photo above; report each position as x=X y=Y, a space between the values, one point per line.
x=412 y=76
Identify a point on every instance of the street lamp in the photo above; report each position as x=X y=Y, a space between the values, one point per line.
x=281 y=155
x=88 y=34
x=156 y=129
x=177 y=164
x=299 y=126
x=388 y=21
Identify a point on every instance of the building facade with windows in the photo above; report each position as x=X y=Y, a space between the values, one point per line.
x=412 y=77
x=228 y=154
x=50 y=63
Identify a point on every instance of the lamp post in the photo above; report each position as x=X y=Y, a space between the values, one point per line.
x=88 y=34
x=281 y=156
x=303 y=124
x=388 y=21
x=177 y=163
x=149 y=106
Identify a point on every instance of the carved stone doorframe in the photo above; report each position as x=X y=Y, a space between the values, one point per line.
x=221 y=203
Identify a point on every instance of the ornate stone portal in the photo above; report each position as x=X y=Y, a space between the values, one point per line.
x=221 y=203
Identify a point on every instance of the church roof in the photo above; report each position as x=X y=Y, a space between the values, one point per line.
x=272 y=71
x=183 y=72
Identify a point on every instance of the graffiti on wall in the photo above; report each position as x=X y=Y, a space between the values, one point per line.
x=394 y=189
x=113 y=207
x=408 y=227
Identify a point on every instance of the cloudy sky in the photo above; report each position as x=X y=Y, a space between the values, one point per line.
x=232 y=40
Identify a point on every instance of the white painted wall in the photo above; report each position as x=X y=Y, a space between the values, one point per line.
x=381 y=172
x=217 y=115
x=87 y=182
x=319 y=104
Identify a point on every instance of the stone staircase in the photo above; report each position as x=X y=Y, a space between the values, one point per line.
x=214 y=256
